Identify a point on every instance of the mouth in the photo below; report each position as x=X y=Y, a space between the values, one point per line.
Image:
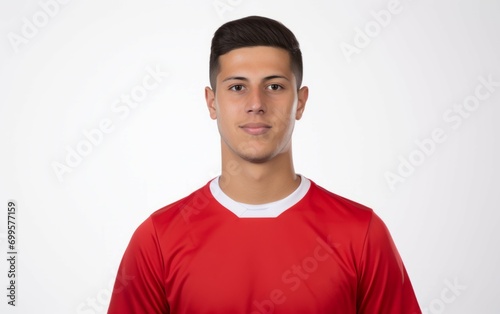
x=255 y=128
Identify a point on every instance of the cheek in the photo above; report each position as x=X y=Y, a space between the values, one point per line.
x=227 y=118
x=227 y=115
x=285 y=117
x=227 y=104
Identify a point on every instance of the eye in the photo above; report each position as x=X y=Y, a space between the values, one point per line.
x=275 y=87
x=236 y=88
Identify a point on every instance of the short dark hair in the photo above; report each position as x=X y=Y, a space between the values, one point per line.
x=254 y=31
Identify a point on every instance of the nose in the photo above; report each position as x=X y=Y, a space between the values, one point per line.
x=255 y=102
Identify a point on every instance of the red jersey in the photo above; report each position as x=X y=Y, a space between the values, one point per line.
x=321 y=254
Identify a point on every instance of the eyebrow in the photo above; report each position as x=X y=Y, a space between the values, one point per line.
x=267 y=78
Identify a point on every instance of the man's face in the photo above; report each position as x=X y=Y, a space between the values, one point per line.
x=256 y=103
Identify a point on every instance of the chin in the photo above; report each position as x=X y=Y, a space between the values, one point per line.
x=256 y=159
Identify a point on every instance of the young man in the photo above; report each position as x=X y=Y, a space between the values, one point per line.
x=260 y=238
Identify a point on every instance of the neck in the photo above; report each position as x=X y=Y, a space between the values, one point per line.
x=258 y=183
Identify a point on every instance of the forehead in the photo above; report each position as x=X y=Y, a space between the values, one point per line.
x=255 y=60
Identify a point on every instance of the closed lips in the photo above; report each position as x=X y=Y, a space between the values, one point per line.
x=255 y=128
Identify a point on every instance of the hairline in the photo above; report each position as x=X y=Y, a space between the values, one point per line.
x=218 y=65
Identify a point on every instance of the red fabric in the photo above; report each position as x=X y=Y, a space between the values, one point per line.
x=325 y=254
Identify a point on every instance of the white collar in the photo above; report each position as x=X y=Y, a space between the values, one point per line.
x=268 y=210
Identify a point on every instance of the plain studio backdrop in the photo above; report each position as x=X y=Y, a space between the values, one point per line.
x=103 y=121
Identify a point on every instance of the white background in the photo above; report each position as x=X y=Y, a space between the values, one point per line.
x=365 y=114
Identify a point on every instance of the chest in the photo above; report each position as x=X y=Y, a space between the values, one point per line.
x=261 y=266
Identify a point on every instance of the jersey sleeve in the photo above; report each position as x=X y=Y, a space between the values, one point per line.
x=139 y=284
x=384 y=285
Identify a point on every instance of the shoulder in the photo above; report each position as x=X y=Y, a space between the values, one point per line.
x=182 y=210
x=173 y=218
x=340 y=208
x=346 y=224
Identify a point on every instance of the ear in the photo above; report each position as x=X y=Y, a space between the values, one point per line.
x=302 y=95
x=210 y=99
